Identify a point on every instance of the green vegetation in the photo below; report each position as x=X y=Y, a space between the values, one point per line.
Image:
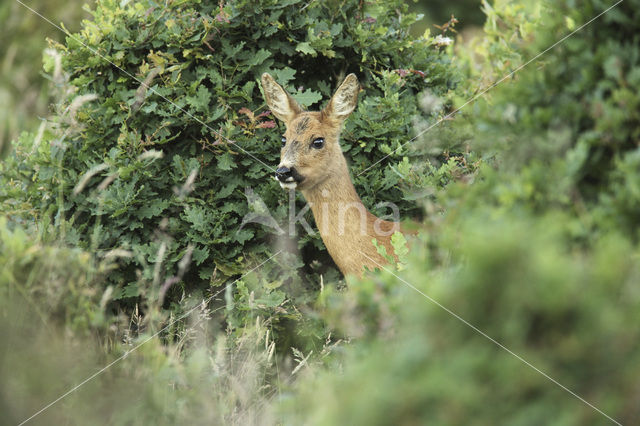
x=118 y=233
x=24 y=92
x=437 y=12
x=202 y=121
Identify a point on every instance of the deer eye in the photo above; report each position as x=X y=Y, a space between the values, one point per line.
x=318 y=143
x=284 y=141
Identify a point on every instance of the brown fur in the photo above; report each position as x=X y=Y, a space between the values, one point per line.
x=347 y=228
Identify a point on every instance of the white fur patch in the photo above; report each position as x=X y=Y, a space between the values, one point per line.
x=288 y=185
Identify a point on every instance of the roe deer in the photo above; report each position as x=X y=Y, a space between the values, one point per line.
x=312 y=162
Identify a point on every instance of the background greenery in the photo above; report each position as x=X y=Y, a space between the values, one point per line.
x=24 y=91
x=527 y=202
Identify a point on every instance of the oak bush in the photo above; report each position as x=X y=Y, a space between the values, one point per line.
x=162 y=172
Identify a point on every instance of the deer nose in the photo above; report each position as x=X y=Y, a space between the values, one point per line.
x=284 y=174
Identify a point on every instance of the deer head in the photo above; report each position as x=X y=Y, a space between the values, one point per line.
x=310 y=151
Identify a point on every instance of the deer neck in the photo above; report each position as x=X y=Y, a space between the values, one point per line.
x=347 y=228
x=334 y=204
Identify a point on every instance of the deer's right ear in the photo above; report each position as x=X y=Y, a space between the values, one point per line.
x=281 y=104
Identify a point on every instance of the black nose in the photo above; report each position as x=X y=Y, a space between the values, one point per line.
x=283 y=173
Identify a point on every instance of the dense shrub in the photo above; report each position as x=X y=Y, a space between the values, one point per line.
x=187 y=148
x=567 y=129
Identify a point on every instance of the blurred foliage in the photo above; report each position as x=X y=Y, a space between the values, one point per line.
x=220 y=380
x=566 y=312
x=24 y=91
x=437 y=12
x=57 y=283
x=567 y=128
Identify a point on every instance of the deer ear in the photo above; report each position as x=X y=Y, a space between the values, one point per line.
x=344 y=100
x=281 y=104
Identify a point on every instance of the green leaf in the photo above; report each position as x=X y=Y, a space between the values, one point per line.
x=305 y=47
x=200 y=254
x=307 y=98
x=225 y=162
x=130 y=290
x=200 y=101
x=284 y=75
x=152 y=209
x=259 y=57
x=399 y=244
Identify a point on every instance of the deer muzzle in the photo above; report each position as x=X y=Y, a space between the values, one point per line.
x=288 y=177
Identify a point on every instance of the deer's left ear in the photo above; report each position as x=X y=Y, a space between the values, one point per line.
x=344 y=101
